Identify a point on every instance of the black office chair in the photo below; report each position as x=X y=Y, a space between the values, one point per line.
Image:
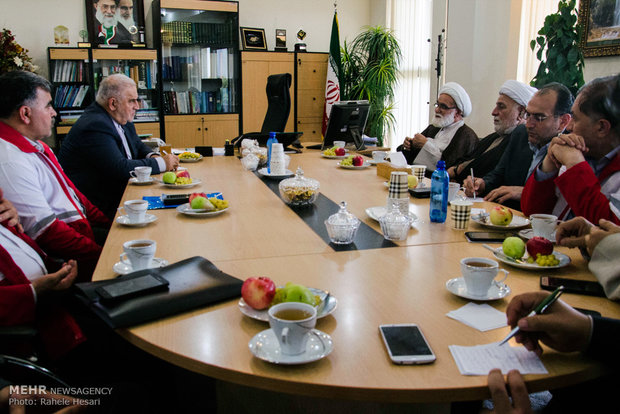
x=278 y=111
x=23 y=372
x=21 y=340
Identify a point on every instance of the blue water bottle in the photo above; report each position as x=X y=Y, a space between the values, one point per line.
x=439 y=193
x=271 y=140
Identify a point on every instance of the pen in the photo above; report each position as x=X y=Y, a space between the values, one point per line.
x=473 y=180
x=541 y=308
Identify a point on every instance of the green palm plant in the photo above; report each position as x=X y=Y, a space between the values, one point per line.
x=370 y=71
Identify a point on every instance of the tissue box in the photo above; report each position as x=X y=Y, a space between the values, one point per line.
x=384 y=169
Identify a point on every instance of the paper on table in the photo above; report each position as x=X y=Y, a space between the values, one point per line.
x=398 y=159
x=479 y=316
x=480 y=359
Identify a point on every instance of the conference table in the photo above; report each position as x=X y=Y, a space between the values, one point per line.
x=259 y=235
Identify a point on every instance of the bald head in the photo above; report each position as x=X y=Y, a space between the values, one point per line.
x=118 y=95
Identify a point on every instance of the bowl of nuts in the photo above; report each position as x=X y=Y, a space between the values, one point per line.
x=299 y=190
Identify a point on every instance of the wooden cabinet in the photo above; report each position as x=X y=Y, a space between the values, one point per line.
x=186 y=131
x=310 y=91
x=256 y=68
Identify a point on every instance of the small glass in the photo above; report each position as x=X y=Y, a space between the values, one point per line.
x=394 y=224
x=342 y=226
x=299 y=190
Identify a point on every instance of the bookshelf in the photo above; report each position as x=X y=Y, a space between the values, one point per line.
x=198 y=46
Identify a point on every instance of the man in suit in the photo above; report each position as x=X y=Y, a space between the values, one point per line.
x=103 y=147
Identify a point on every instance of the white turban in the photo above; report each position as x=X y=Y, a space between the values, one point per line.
x=518 y=91
x=461 y=99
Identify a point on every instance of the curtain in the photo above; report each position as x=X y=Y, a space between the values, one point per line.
x=411 y=22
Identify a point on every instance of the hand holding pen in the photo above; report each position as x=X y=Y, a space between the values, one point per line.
x=560 y=326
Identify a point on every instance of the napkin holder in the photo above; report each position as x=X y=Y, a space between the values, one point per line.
x=384 y=169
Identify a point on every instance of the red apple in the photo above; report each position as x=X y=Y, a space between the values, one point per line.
x=258 y=292
x=340 y=152
x=194 y=195
x=539 y=245
x=501 y=216
x=358 y=161
x=183 y=173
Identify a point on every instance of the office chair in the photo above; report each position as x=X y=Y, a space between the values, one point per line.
x=278 y=111
x=20 y=340
x=23 y=372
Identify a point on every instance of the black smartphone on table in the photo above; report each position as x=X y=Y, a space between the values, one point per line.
x=488 y=236
x=580 y=287
x=131 y=288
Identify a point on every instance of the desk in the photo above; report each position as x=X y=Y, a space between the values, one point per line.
x=261 y=236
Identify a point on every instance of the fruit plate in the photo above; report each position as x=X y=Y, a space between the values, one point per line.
x=376 y=213
x=564 y=261
x=366 y=164
x=262 y=315
x=516 y=223
x=195 y=181
x=190 y=159
x=334 y=157
x=187 y=210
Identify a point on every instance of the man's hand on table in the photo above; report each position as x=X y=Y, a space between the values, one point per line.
x=504 y=193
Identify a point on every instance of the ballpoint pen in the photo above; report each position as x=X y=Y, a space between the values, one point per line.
x=541 y=308
x=473 y=180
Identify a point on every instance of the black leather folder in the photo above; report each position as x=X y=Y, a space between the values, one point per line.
x=194 y=283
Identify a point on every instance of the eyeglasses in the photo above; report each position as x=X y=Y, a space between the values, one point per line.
x=444 y=107
x=537 y=117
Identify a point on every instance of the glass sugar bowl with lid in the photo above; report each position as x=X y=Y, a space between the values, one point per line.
x=299 y=190
x=342 y=226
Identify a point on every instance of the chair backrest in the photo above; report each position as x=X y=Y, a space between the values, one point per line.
x=279 y=103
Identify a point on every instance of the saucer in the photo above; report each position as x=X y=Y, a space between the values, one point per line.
x=123 y=268
x=516 y=223
x=187 y=210
x=134 y=181
x=195 y=181
x=124 y=220
x=355 y=167
x=287 y=173
x=265 y=346
x=496 y=291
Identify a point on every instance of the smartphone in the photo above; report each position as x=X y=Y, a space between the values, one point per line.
x=580 y=287
x=423 y=192
x=174 y=199
x=406 y=344
x=131 y=288
x=487 y=236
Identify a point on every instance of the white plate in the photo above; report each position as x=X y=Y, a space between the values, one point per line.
x=287 y=173
x=190 y=159
x=564 y=261
x=134 y=181
x=187 y=210
x=336 y=157
x=529 y=233
x=266 y=347
x=516 y=223
x=262 y=315
x=353 y=167
x=496 y=291
x=124 y=220
x=123 y=268
x=376 y=213
x=195 y=181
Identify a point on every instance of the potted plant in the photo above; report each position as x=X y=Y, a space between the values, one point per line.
x=559 y=41
x=370 y=71
x=12 y=55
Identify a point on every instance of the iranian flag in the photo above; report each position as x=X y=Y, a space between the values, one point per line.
x=334 y=69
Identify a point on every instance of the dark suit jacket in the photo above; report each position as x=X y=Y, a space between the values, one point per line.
x=462 y=144
x=94 y=158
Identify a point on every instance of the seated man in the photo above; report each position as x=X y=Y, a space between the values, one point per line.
x=103 y=147
x=581 y=171
x=52 y=210
x=547 y=114
x=447 y=138
x=508 y=114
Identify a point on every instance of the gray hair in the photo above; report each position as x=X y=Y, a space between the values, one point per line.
x=113 y=86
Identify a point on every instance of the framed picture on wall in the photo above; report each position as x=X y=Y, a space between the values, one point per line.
x=600 y=23
x=253 y=38
x=115 y=23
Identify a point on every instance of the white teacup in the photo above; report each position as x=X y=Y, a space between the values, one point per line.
x=292 y=323
x=135 y=210
x=543 y=225
x=479 y=273
x=139 y=253
x=339 y=144
x=379 y=156
x=141 y=173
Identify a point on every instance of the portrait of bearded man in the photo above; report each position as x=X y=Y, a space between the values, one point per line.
x=107 y=29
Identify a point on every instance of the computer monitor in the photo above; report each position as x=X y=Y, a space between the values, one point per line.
x=347 y=121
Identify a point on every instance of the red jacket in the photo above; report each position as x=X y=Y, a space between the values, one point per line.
x=580 y=189
x=58 y=330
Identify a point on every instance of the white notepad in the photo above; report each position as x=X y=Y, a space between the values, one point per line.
x=480 y=359
x=479 y=316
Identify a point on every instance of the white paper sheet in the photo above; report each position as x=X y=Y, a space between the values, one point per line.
x=398 y=159
x=480 y=359
x=479 y=316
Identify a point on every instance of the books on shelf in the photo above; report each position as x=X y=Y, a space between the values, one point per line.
x=206 y=63
x=142 y=72
x=69 y=71
x=69 y=117
x=179 y=32
x=68 y=96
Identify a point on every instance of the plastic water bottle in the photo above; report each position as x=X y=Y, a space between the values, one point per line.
x=271 y=140
x=439 y=193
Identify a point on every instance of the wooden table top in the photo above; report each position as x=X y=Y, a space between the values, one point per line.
x=260 y=236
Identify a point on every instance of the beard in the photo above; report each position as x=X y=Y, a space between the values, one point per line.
x=127 y=22
x=503 y=127
x=441 y=121
x=106 y=21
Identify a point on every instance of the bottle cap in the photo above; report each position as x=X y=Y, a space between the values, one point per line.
x=441 y=164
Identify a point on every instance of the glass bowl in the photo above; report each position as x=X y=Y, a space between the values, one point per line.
x=299 y=190
x=342 y=226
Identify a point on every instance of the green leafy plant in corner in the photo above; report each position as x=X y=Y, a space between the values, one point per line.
x=558 y=41
x=369 y=72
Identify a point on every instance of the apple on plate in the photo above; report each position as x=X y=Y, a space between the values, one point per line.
x=258 y=292
x=412 y=181
x=340 y=152
x=201 y=203
x=358 y=161
x=513 y=247
x=194 y=195
x=539 y=245
x=169 y=177
x=183 y=173
x=501 y=216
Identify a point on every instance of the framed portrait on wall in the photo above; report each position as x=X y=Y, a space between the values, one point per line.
x=253 y=38
x=600 y=23
x=115 y=23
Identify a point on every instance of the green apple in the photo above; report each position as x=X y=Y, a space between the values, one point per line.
x=298 y=293
x=513 y=247
x=412 y=181
x=201 y=203
x=169 y=177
